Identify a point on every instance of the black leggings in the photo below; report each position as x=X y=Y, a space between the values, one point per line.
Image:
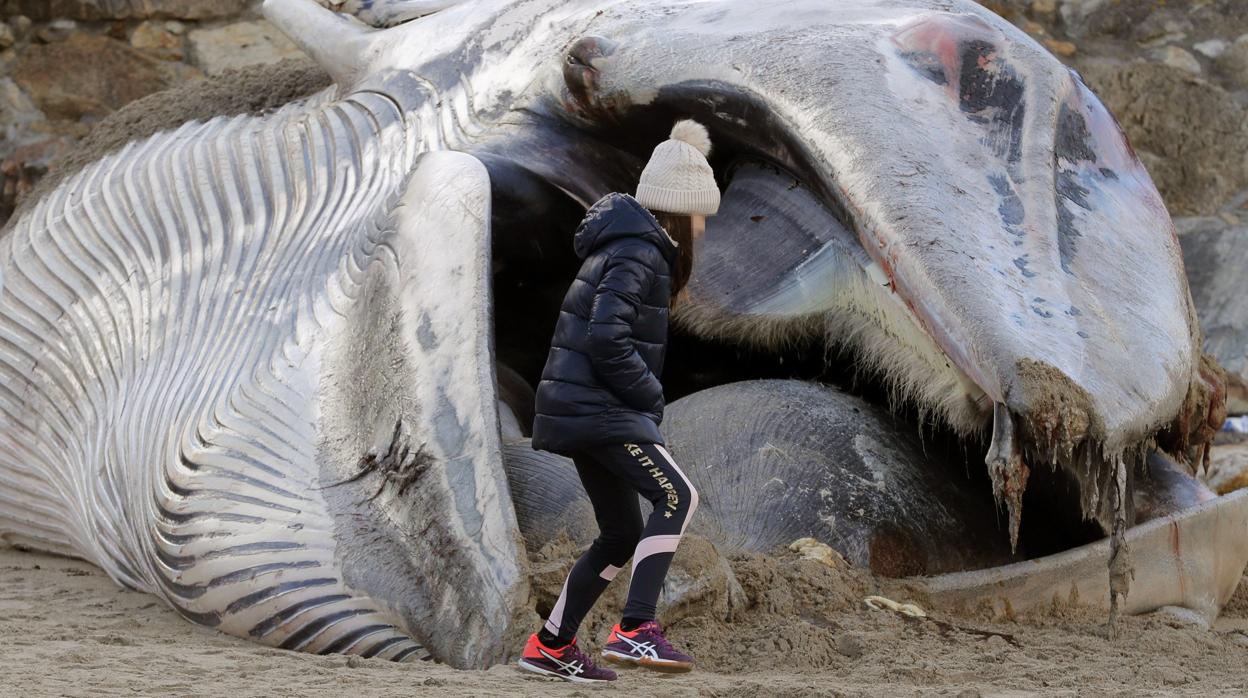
x=613 y=475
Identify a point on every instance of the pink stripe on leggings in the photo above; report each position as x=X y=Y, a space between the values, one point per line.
x=693 y=493
x=556 y=614
x=653 y=545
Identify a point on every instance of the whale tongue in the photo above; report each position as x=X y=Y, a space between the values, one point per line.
x=770 y=249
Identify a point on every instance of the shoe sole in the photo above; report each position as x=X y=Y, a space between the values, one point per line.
x=547 y=672
x=665 y=666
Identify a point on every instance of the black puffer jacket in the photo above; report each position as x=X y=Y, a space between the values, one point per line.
x=600 y=384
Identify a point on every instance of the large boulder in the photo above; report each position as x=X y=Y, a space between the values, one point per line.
x=18 y=114
x=1228 y=467
x=1149 y=20
x=1232 y=63
x=240 y=45
x=93 y=10
x=1191 y=134
x=1216 y=255
x=90 y=76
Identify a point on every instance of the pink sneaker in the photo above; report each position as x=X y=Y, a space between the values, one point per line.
x=568 y=662
x=646 y=646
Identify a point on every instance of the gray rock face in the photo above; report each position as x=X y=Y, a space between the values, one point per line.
x=1212 y=48
x=1178 y=57
x=239 y=45
x=1103 y=17
x=157 y=39
x=1232 y=63
x=126 y=9
x=17 y=112
x=25 y=148
x=1216 y=255
x=1145 y=20
x=81 y=76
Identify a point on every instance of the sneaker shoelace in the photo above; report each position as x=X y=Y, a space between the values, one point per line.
x=579 y=656
x=657 y=633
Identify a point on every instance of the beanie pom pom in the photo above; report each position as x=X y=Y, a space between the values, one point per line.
x=693 y=133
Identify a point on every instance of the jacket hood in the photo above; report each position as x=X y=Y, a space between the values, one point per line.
x=618 y=216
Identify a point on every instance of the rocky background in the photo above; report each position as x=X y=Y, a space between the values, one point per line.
x=67 y=64
x=1175 y=72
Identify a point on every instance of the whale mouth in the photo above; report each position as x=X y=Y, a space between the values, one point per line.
x=803 y=258
x=1012 y=251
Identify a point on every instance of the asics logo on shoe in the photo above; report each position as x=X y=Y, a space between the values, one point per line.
x=642 y=649
x=572 y=668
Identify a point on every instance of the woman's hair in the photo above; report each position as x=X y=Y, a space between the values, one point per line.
x=681 y=229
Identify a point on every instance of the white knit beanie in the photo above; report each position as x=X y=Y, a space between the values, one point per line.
x=678 y=179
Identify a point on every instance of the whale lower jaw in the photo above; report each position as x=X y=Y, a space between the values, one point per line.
x=184 y=393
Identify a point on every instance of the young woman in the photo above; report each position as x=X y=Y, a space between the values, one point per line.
x=600 y=402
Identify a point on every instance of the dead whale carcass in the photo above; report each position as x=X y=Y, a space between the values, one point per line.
x=248 y=363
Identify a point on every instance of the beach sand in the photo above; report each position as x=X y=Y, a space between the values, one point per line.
x=67 y=630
